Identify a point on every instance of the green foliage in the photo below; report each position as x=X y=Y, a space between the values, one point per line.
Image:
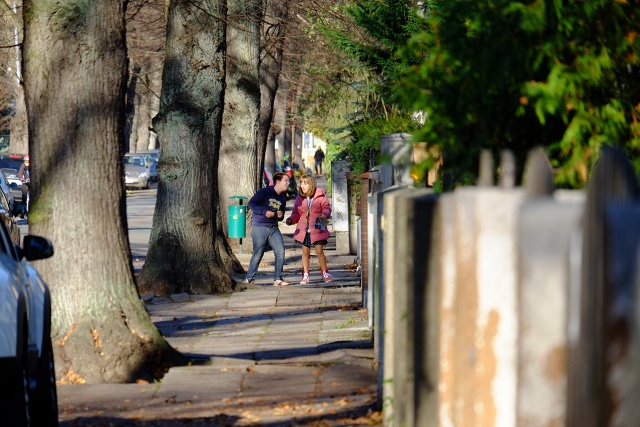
x=387 y=26
x=593 y=84
x=366 y=136
x=517 y=74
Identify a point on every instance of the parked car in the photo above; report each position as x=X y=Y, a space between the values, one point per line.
x=153 y=172
x=136 y=171
x=10 y=165
x=8 y=218
x=150 y=156
x=28 y=394
x=5 y=187
x=10 y=160
x=14 y=181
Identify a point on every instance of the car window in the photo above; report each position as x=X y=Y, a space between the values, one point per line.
x=10 y=163
x=134 y=160
x=151 y=157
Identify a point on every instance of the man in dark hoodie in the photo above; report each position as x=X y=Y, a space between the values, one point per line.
x=268 y=206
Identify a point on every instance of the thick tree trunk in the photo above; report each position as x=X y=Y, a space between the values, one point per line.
x=273 y=34
x=184 y=253
x=239 y=172
x=75 y=71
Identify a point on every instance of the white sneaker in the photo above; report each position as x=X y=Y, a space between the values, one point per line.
x=305 y=278
x=280 y=283
x=327 y=277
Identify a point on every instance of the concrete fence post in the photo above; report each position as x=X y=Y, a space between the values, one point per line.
x=603 y=324
x=478 y=307
x=394 y=313
x=410 y=375
x=340 y=205
x=378 y=283
x=545 y=229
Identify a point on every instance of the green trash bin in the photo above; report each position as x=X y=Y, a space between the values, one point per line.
x=238 y=218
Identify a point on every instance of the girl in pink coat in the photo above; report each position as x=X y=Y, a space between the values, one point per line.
x=310 y=211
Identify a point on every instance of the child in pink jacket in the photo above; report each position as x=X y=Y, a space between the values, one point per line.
x=310 y=211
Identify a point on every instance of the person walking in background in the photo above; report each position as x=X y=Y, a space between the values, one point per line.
x=319 y=158
x=25 y=177
x=268 y=206
x=311 y=211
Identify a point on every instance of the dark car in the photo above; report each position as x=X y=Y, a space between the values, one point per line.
x=9 y=160
x=8 y=218
x=28 y=394
x=5 y=186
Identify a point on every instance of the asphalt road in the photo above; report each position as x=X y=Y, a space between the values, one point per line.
x=140 y=208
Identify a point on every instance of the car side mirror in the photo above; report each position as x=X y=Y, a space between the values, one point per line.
x=36 y=247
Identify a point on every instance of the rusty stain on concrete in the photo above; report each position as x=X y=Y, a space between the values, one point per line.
x=489 y=370
x=554 y=366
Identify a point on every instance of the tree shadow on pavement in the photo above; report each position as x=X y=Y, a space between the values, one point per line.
x=365 y=415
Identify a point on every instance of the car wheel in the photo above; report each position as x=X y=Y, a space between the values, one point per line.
x=14 y=401
x=44 y=399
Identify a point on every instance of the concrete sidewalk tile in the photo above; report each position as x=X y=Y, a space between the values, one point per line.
x=86 y=399
x=348 y=378
x=231 y=362
x=203 y=381
x=283 y=381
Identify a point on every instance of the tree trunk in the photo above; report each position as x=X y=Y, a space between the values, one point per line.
x=280 y=118
x=184 y=254
x=75 y=70
x=19 y=135
x=19 y=141
x=273 y=34
x=131 y=111
x=143 y=117
x=240 y=167
x=146 y=38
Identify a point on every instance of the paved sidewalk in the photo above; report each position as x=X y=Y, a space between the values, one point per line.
x=294 y=356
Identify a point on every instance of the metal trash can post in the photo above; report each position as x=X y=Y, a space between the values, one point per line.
x=238 y=219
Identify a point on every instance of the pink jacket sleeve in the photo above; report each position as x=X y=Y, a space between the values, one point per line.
x=295 y=214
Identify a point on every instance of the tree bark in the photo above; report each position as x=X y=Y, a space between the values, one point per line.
x=146 y=38
x=280 y=118
x=184 y=250
x=273 y=34
x=19 y=135
x=75 y=69
x=240 y=167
